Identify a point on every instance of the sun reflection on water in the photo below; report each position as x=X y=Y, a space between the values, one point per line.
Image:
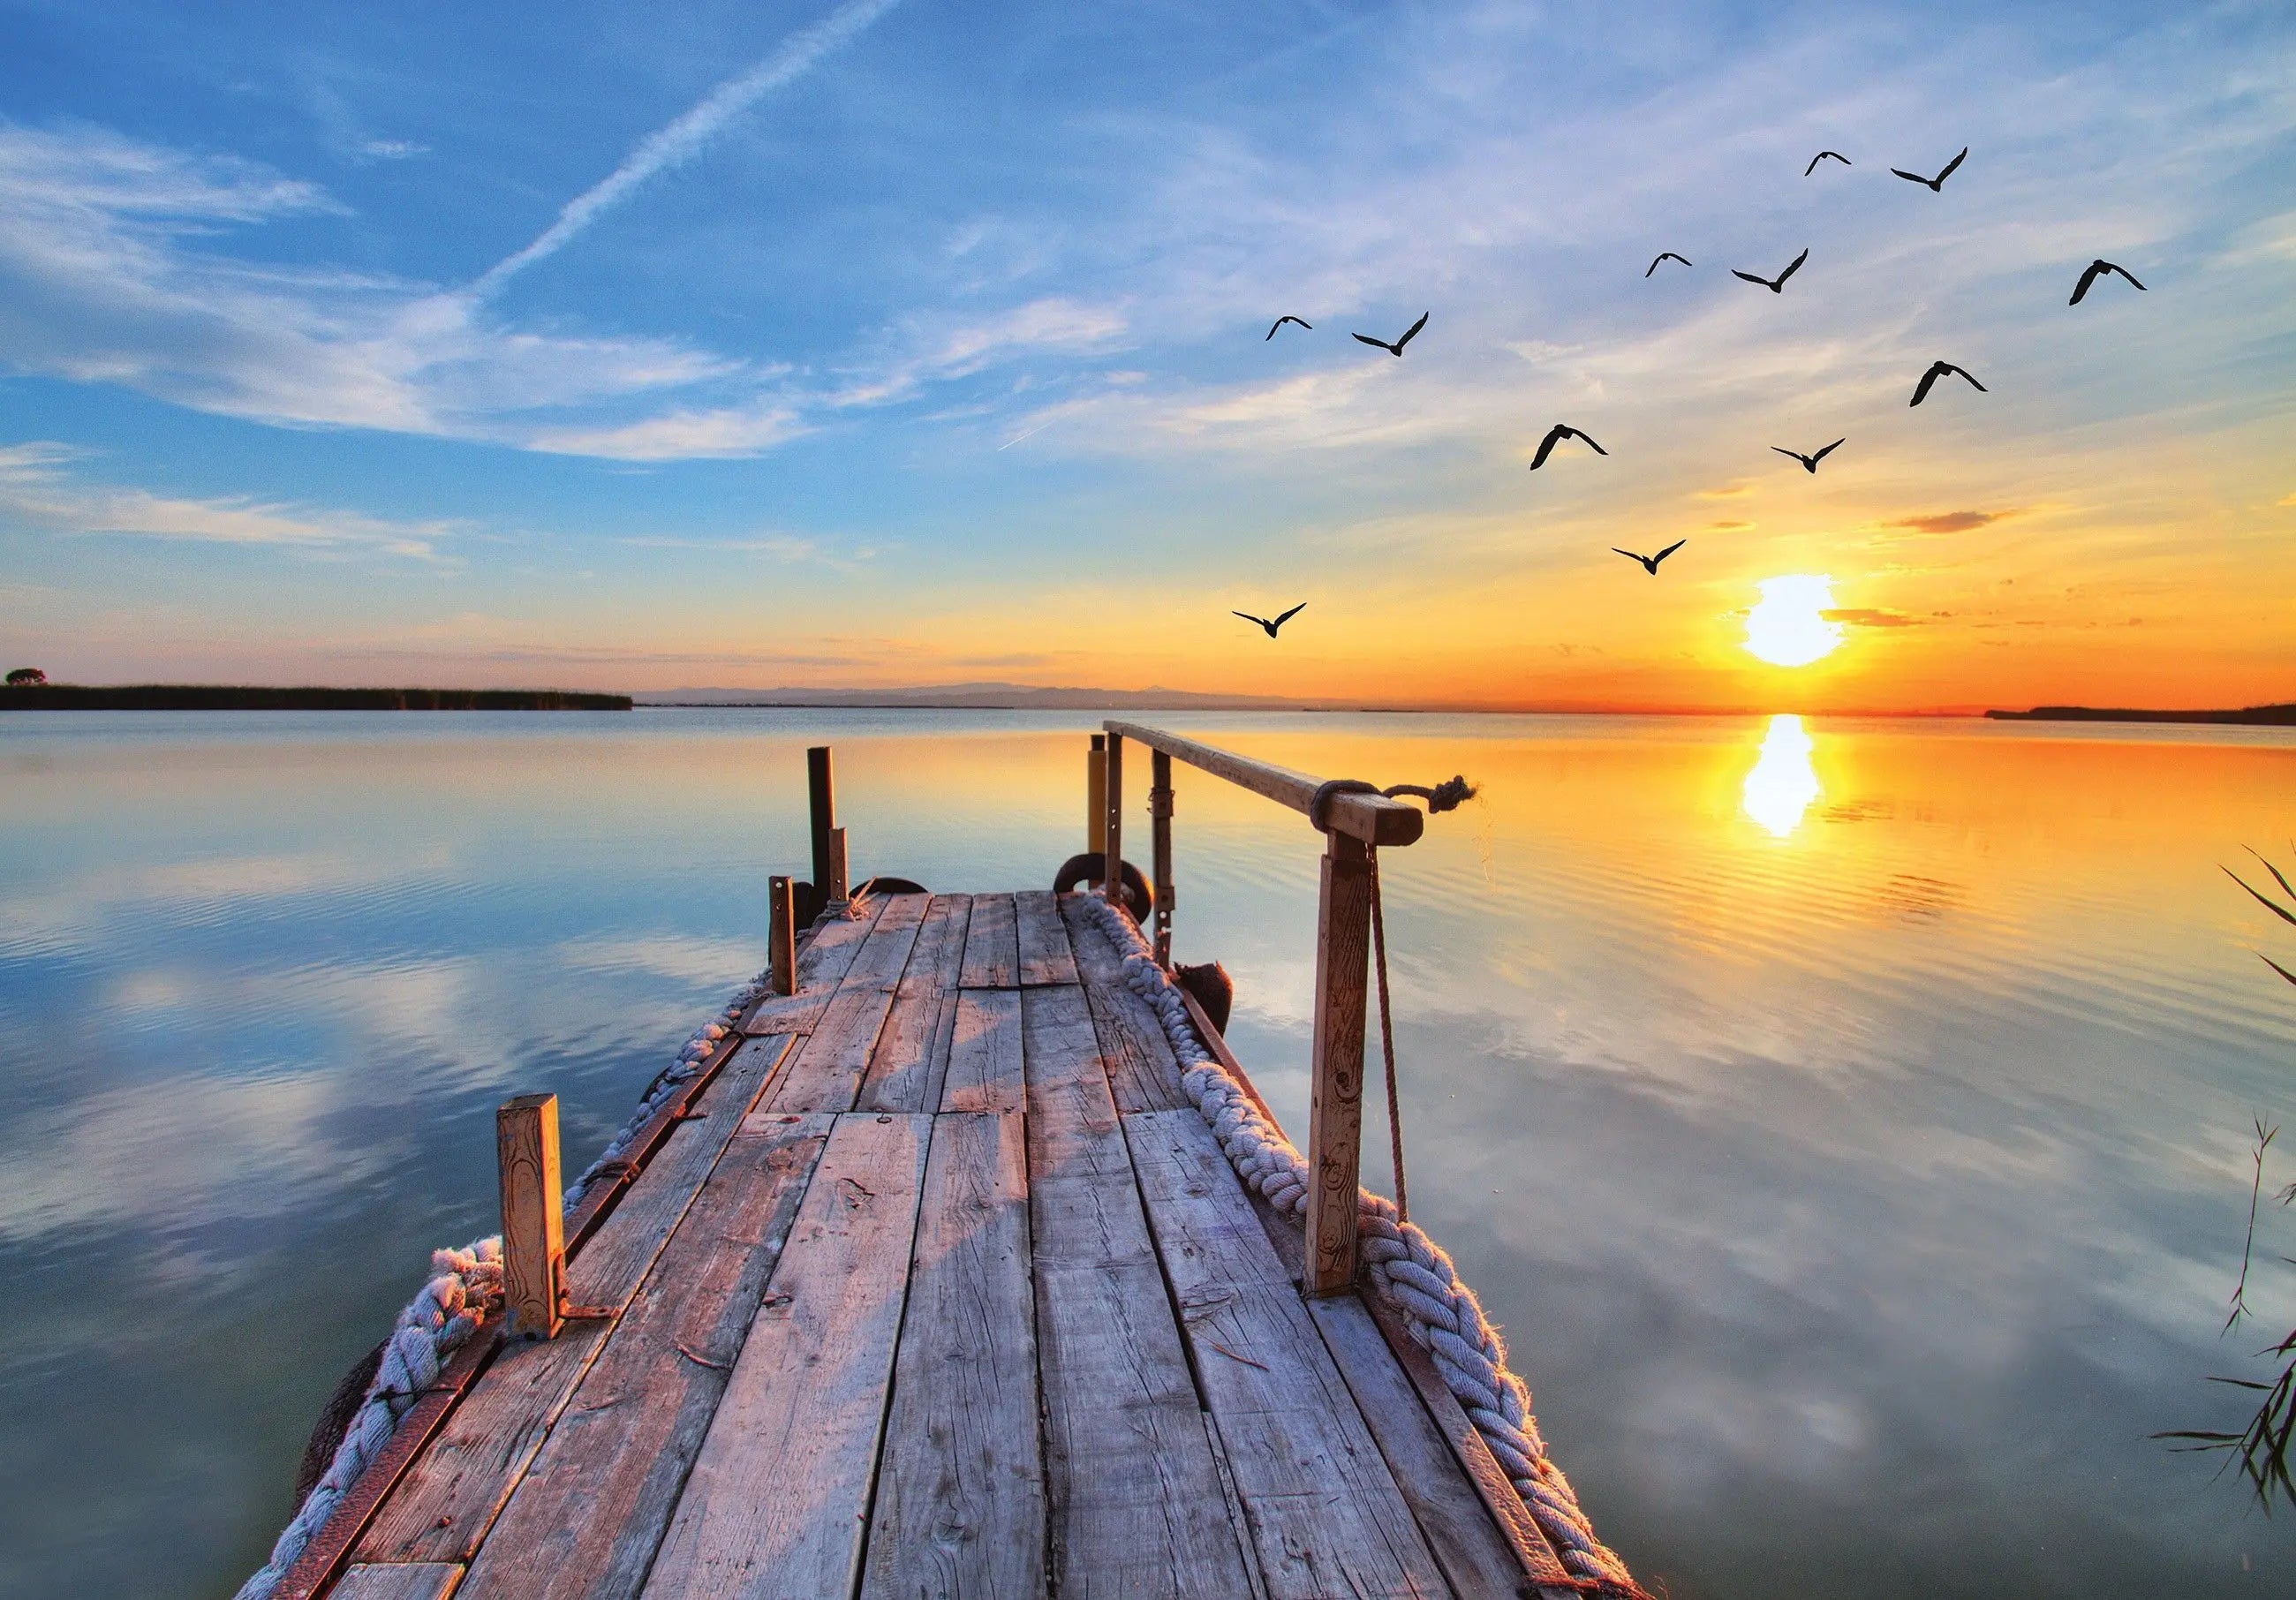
x=1781 y=783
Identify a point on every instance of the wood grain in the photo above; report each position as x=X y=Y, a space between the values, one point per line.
x=1334 y=1150
x=1327 y=1515
x=885 y=954
x=777 y=1503
x=825 y=1073
x=1135 y=1501
x=408 y=1580
x=992 y=952
x=984 y=1053
x=1142 y=1072
x=1370 y=818
x=907 y=1070
x=1044 y=938
x=533 y=1213
x=586 y=1518
x=960 y=1504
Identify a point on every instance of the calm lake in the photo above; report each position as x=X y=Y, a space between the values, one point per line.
x=1847 y=1123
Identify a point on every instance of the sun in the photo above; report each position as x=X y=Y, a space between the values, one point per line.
x=1787 y=626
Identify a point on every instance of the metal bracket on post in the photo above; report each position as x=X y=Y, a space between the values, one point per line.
x=533 y=1214
x=1335 y=1105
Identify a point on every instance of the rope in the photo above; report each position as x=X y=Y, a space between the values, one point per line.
x=1407 y=1268
x=1448 y=795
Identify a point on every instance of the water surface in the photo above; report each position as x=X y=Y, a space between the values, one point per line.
x=1846 y=1121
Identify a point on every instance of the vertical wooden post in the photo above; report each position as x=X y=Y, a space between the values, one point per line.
x=821 y=789
x=1095 y=796
x=1335 y=1106
x=781 y=938
x=833 y=887
x=1159 y=827
x=1111 y=882
x=533 y=1213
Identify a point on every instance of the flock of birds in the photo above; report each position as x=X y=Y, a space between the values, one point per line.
x=1776 y=285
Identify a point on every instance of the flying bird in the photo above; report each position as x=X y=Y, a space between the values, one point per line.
x=1809 y=463
x=1280 y=321
x=1936 y=184
x=1826 y=155
x=1938 y=369
x=1665 y=255
x=2090 y=275
x=1397 y=347
x=1776 y=285
x=1650 y=562
x=1556 y=436
x=1280 y=621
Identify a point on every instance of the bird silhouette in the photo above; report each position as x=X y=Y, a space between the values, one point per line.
x=1809 y=463
x=1280 y=321
x=1280 y=621
x=1936 y=184
x=2091 y=274
x=1556 y=436
x=1650 y=562
x=1826 y=155
x=1938 y=369
x=1776 y=285
x=1665 y=255
x=1397 y=347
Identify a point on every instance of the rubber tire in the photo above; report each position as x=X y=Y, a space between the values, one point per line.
x=884 y=885
x=1090 y=868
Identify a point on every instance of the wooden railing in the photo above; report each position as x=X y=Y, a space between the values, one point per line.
x=1353 y=824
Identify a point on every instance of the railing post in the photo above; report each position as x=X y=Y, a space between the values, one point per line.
x=1095 y=796
x=533 y=1214
x=1159 y=829
x=820 y=787
x=1111 y=882
x=834 y=888
x=1335 y=1107
x=780 y=938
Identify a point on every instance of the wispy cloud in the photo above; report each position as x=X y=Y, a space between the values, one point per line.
x=1950 y=522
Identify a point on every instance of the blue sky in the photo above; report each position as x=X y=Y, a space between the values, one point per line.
x=931 y=347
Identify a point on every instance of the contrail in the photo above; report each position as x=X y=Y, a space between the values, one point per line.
x=684 y=138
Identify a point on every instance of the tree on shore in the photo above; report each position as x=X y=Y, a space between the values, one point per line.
x=26 y=676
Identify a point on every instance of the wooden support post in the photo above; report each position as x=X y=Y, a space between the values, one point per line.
x=1111 y=882
x=833 y=887
x=821 y=789
x=1335 y=1106
x=1159 y=828
x=781 y=937
x=533 y=1214
x=1095 y=796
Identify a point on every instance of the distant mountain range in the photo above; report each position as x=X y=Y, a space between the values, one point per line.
x=991 y=696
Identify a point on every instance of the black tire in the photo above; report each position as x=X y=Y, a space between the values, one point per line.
x=882 y=885
x=1090 y=868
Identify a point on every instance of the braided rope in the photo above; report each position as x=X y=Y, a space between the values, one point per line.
x=1407 y=1268
x=465 y=1290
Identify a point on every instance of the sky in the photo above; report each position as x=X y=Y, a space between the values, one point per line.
x=889 y=342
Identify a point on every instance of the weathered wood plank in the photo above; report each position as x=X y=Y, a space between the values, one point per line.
x=1135 y=1500
x=984 y=1053
x=824 y=952
x=992 y=948
x=885 y=953
x=1334 y=1149
x=910 y=1060
x=960 y=1504
x=443 y=1506
x=586 y=1518
x=1043 y=938
x=533 y=1214
x=1327 y=1515
x=777 y=1501
x=398 y=1580
x=827 y=1072
x=1141 y=1072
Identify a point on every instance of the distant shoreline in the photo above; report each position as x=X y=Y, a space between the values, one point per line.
x=2280 y=716
x=239 y=697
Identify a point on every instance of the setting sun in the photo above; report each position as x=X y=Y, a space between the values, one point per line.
x=1787 y=626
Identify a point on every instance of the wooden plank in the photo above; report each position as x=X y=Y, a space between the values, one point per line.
x=884 y=955
x=824 y=952
x=1044 y=937
x=960 y=1503
x=984 y=1053
x=404 y=1580
x=442 y=1508
x=533 y=1213
x=826 y=1075
x=1370 y=818
x=992 y=951
x=1334 y=1150
x=1327 y=1515
x=1141 y=1070
x=910 y=1060
x=589 y=1515
x=1135 y=1501
x=777 y=1501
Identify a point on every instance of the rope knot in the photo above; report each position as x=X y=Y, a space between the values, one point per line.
x=1448 y=795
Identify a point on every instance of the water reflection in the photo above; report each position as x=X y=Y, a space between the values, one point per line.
x=1781 y=783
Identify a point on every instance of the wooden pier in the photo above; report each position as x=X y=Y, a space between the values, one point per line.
x=934 y=1282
